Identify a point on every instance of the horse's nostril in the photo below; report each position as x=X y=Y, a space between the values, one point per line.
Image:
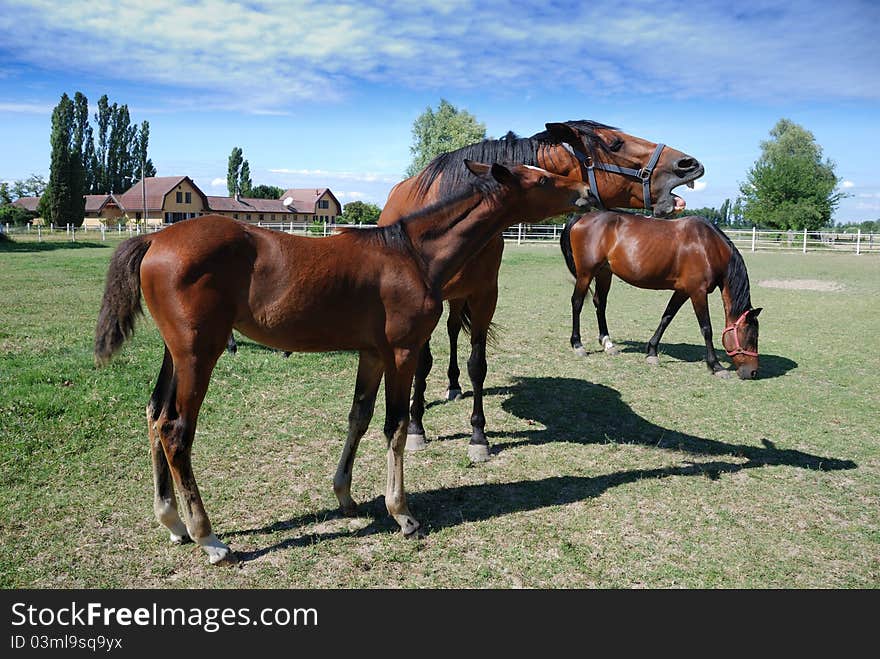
x=687 y=164
x=754 y=374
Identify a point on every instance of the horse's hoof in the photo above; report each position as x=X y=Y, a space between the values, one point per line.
x=478 y=452
x=612 y=350
x=723 y=374
x=653 y=360
x=414 y=533
x=228 y=560
x=415 y=442
x=453 y=394
x=348 y=509
x=579 y=351
x=179 y=539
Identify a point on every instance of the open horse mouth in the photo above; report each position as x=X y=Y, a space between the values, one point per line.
x=671 y=203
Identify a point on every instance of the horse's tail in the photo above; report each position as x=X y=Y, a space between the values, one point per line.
x=467 y=326
x=122 y=298
x=565 y=245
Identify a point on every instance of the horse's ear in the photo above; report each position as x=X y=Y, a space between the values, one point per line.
x=504 y=176
x=754 y=312
x=564 y=133
x=477 y=168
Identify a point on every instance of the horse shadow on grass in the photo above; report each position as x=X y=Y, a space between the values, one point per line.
x=771 y=366
x=29 y=246
x=570 y=410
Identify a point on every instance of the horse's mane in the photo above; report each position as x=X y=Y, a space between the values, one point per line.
x=509 y=149
x=736 y=279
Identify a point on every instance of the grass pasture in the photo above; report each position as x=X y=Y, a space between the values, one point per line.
x=606 y=472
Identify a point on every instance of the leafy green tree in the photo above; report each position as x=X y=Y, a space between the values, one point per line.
x=10 y=214
x=63 y=202
x=438 y=132
x=5 y=193
x=790 y=186
x=266 y=192
x=359 y=212
x=233 y=172
x=244 y=180
x=33 y=186
x=141 y=155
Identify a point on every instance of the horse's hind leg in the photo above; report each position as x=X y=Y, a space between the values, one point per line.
x=678 y=298
x=701 y=309
x=177 y=430
x=600 y=301
x=481 y=308
x=231 y=346
x=415 y=434
x=581 y=286
x=367 y=384
x=164 y=500
x=453 y=329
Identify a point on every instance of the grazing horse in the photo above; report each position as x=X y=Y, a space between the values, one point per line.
x=622 y=170
x=689 y=256
x=377 y=291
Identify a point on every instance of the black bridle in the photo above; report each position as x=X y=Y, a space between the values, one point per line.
x=644 y=174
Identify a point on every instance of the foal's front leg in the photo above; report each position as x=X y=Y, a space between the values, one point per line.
x=600 y=301
x=581 y=286
x=701 y=309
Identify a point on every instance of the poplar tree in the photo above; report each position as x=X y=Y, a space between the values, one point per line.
x=63 y=202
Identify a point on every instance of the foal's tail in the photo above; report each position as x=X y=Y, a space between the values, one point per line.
x=565 y=245
x=122 y=298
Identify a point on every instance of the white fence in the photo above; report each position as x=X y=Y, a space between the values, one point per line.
x=747 y=240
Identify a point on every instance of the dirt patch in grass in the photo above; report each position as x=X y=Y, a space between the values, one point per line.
x=803 y=284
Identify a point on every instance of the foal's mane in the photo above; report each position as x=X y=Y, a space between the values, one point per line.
x=480 y=188
x=509 y=149
x=736 y=278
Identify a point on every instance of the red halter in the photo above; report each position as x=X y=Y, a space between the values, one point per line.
x=738 y=349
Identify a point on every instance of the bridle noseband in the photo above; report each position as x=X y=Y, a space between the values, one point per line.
x=738 y=349
x=644 y=174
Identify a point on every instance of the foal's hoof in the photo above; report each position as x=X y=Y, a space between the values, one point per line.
x=179 y=539
x=612 y=350
x=218 y=553
x=579 y=351
x=453 y=394
x=415 y=442
x=653 y=360
x=478 y=452
x=723 y=374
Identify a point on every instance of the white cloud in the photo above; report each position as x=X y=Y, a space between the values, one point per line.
x=699 y=186
x=847 y=184
x=267 y=57
x=26 y=108
x=365 y=177
x=218 y=183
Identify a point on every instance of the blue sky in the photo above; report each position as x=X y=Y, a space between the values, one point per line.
x=325 y=94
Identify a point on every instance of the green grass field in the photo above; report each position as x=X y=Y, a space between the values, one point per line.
x=606 y=473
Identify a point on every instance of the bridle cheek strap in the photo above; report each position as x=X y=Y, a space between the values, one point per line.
x=738 y=349
x=644 y=174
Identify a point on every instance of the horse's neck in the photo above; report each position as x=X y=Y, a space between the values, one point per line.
x=446 y=239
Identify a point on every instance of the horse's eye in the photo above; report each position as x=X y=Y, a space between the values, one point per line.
x=542 y=180
x=616 y=144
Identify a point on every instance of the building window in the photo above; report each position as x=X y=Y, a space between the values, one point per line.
x=260 y=219
x=248 y=217
x=179 y=197
x=324 y=203
x=235 y=216
x=188 y=196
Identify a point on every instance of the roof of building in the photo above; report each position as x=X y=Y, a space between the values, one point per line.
x=156 y=188
x=246 y=205
x=96 y=202
x=305 y=199
x=28 y=203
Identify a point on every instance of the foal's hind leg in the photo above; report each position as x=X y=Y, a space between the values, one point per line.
x=678 y=298
x=367 y=384
x=600 y=301
x=481 y=308
x=177 y=429
x=164 y=500
x=701 y=308
x=581 y=286
x=398 y=381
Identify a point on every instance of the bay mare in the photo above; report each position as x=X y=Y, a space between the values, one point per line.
x=689 y=256
x=622 y=170
x=377 y=291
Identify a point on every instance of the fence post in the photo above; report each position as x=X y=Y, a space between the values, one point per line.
x=103 y=236
x=858 y=242
x=73 y=233
x=39 y=233
x=805 y=240
x=754 y=231
x=291 y=226
x=519 y=234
